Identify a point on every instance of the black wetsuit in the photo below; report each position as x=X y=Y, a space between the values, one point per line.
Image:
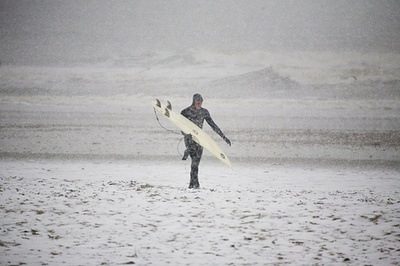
x=197 y=116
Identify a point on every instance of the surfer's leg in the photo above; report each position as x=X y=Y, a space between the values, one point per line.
x=188 y=143
x=195 y=154
x=185 y=155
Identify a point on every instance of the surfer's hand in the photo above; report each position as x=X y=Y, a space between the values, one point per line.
x=227 y=140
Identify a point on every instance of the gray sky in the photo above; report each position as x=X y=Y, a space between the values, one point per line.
x=57 y=31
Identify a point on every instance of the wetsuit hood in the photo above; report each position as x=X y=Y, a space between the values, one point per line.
x=197 y=97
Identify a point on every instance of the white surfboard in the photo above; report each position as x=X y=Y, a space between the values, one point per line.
x=188 y=127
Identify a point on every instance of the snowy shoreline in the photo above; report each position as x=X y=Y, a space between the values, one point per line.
x=86 y=213
x=241 y=161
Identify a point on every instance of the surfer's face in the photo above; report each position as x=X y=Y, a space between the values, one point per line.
x=197 y=104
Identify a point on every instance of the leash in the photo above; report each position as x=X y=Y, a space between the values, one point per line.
x=169 y=130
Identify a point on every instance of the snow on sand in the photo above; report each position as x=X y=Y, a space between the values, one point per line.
x=79 y=213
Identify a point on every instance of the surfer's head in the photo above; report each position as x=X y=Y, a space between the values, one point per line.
x=197 y=97
x=197 y=100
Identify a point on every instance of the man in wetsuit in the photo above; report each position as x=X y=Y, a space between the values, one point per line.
x=197 y=115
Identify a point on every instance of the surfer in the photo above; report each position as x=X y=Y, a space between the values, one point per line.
x=197 y=114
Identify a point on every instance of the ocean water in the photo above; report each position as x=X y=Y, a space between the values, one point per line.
x=263 y=49
x=243 y=75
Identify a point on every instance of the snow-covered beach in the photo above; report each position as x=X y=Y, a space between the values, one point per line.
x=140 y=212
x=308 y=94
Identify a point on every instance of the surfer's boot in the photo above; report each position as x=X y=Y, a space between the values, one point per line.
x=194 y=186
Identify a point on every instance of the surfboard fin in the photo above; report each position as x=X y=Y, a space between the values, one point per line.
x=158 y=103
x=166 y=112
x=169 y=106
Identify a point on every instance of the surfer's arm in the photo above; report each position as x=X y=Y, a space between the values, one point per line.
x=217 y=130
